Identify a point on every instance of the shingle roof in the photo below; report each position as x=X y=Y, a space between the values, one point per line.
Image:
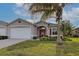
x=3 y=23
x=77 y=28
x=41 y=21
x=21 y=20
x=52 y=24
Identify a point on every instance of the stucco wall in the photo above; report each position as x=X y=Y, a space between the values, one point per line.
x=43 y=24
x=23 y=24
x=16 y=23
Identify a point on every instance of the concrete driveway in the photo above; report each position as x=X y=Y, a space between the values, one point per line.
x=9 y=42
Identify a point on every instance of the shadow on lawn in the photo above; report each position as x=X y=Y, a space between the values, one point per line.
x=60 y=50
x=68 y=49
x=23 y=45
x=26 y=44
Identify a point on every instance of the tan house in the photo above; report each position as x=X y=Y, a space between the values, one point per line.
x=20 y=28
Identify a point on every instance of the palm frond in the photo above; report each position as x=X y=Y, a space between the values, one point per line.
x=39 y=7
x=47 y=9
x=47 y=14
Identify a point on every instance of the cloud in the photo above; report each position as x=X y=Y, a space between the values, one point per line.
x=72 y=15
x=21 y=10
x=19 y=4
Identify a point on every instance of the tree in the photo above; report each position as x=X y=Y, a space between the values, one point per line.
x=49 y=9
x=67 y=28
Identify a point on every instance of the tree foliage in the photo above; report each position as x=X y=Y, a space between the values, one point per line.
x=67 y=28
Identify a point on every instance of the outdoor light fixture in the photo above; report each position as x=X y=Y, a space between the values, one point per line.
x=43 y=28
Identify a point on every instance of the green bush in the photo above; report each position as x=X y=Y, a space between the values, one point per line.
x=53 y=38
x=66 y=39
x=48 y=38
x=44 y=38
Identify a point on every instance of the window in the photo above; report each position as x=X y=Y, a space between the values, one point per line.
x=54 y=29
x=54 y=32
x=19 y=21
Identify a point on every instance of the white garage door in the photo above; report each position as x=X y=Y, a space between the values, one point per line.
x=20 y=33
x=3 y=31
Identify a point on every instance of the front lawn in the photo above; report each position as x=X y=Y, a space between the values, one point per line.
x=41 y=48
x=30 y=48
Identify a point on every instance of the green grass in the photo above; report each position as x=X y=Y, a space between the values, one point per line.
x=30 y=48
x=74 y=39
x=42 y=48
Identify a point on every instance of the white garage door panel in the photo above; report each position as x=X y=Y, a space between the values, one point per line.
x=20 y=33
x=3 y=31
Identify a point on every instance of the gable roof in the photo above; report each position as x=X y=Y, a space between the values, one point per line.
x=52 y=24
x=40 y=22
x=77 y=29
x=20 y=20
x=3 y=23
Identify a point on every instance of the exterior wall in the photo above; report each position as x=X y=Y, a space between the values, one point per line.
x=44 y=24
x=34 y=30
x=4 y=27
x=75 y=33
x=24 y=24
x=16 y=23
x=21 y=25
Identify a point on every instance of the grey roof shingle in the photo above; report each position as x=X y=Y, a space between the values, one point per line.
x=21 y=20
x=3 y=23
x=52 y=24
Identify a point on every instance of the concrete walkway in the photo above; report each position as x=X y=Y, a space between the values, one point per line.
x=9 y=42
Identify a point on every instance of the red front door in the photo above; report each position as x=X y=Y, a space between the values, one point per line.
x=41 y=31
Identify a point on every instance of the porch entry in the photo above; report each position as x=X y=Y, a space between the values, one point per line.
x=41 y=31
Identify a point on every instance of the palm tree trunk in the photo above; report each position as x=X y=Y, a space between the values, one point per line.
x=59 y=40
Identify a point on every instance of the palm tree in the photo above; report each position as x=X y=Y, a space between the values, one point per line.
x=67 y=28
x=49 y=10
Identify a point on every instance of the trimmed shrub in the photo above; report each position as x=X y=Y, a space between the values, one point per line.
x=35 y=37
x=48 y=38
x=44 y=38
x=75 y=35
x=3 y=37
x=53 y=38
x=66 y=39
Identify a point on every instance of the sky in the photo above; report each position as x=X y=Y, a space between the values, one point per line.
x=12 y=11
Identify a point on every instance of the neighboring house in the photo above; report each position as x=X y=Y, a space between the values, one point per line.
x=76 y=32
x=20 y=28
